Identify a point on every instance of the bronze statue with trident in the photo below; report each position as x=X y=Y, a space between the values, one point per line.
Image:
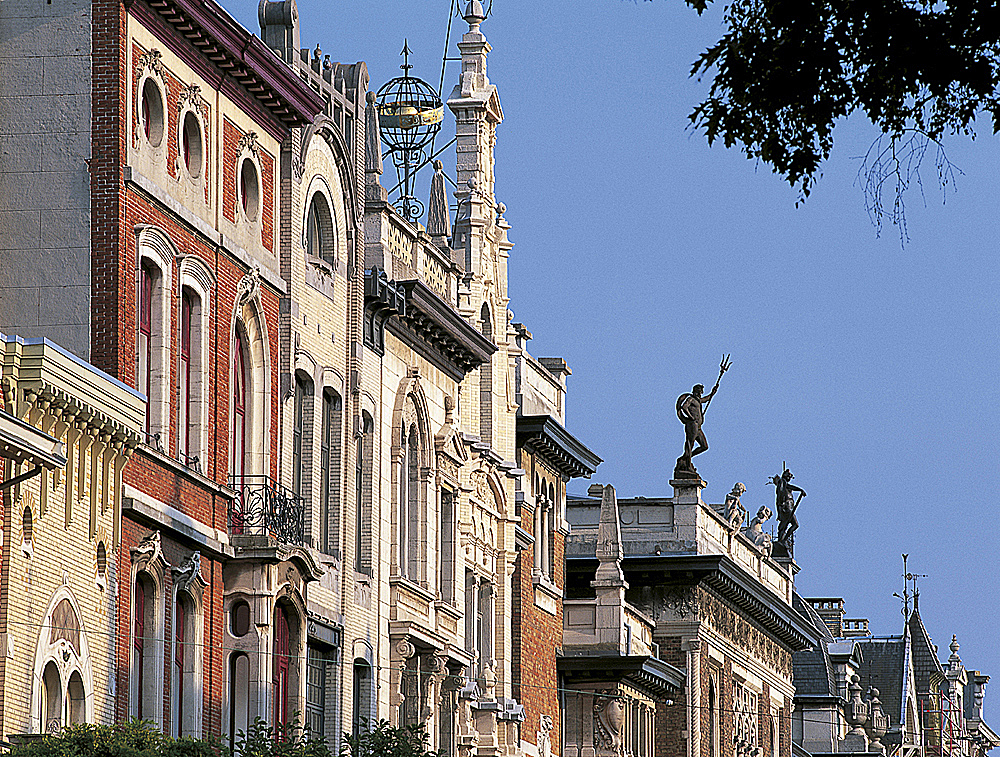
x=691 y=408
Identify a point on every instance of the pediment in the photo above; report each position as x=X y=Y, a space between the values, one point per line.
x=448 y=442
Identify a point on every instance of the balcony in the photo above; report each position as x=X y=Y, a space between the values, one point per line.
x=264 y=507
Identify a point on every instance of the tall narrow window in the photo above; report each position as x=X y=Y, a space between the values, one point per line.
x=240 y=409
x=362 y=696
x=330 y=470
x=184 y=404
x=282 y=655
x=298 y=463
x=413 y=539
x=144 y=655
x=484 y=622
x=362 y=494
x=471 y=624
x=239 y=695
x=316 y=685
x=178 y=692
x=52 y=699
x=486 y=383
x=144 y=346
x=446 y=570
x=714 y=742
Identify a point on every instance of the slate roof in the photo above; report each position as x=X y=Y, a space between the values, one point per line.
x=926 y=664
x=812 y=671
x=884 y=667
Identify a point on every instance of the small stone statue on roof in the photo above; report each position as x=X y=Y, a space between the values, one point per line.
x=786 y=504
x=735 y=512
x=755 y=531
x=692 y=415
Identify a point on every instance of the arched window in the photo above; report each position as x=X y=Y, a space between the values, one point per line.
x=76 y=700
x=241 y=408
x=145 y=694
x=409 y=505
x=330 y=470
x=144 y=349
x=321 y=231
x=184 y=691
x=362 y=705
x=185 y=400
x=281 y=674
x=486 y=382
x=300 y=428
x=52 y=701
x=714 y=740
x=27 y=532
x=363 y=494
x=239 y=695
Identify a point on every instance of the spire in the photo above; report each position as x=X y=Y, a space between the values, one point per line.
x=373 y=152
x=609 y=541
x=373 y=147
x=438 y=217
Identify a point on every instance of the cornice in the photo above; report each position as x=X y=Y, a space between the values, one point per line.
x=733 y=584
x=542 y=435
x=238 y=62
x=650 y=675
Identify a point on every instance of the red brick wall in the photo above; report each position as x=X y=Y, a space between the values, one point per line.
x=110 y=295
x=230 y=153
x=537 y=635
x=212 y=653
x=267 y=213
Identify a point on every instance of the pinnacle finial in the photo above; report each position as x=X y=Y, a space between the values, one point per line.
x=474 y=14
x=406 y=58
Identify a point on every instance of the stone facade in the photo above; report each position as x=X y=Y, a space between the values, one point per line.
x=721 y=610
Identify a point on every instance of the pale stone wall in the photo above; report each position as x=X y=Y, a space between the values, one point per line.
x=45 y=108
x=60 y=538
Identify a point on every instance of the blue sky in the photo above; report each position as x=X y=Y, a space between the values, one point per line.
x=641 y=254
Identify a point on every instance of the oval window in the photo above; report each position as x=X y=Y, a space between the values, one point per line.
x=152 y=113
x=191 y=145
x=239 y=618
x=249 y=189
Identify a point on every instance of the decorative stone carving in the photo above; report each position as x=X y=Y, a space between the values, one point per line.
x=756 y=534
x=676 y=603
x=609 y=721
x=743 y=632
x=543 y=740
x=191 y=97
x=153 y=60
x=878 y=722
x=188 y=576
x=735 y=512
x=248 y=143
x=249 y=286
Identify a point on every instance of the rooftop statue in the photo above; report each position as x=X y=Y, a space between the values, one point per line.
x=786 y=505
x=735 y=512
x=755 y=531
x=692 y=415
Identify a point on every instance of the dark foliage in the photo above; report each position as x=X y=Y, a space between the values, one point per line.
x=382 y=739
x=788 y=70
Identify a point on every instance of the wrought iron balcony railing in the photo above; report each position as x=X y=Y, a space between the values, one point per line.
x=266 y=508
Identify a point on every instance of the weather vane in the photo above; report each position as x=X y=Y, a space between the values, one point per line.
x=907 y=595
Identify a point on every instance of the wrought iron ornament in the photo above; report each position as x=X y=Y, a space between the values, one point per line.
x=265 y=508
x=410 y=114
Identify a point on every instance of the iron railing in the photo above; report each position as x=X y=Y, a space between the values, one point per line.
x=266 y=508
